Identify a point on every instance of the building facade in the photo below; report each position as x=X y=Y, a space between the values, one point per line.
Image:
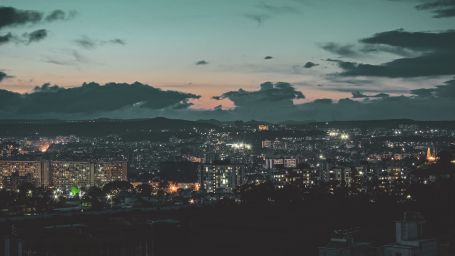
x=14 y=172
x=409 y=239
x=220 y=178
x=61 y=174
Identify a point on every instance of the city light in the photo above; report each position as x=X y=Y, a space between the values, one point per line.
x=344 y=136
x=172 y=188
x=240 y=145
x=333 y=134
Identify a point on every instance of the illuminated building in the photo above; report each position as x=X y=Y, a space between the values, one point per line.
x=65 y=174
x=290 y=163
x=86 y=174
x=272 y=163
x=263 y=127
x=61 y=174
x=240 y=145
x=219 y=178
x=342 y=176
x=431 y=156
x=105 y=172
x=35 y=172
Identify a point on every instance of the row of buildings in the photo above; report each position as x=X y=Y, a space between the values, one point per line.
x=61 y=174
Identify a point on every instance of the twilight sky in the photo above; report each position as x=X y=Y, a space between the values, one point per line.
x=237 y=59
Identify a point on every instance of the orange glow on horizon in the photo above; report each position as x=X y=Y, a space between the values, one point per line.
x=44 y=147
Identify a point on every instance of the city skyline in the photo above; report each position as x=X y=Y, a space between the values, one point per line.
x=242 y=60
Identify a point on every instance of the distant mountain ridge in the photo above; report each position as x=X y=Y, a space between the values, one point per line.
x=104 y=126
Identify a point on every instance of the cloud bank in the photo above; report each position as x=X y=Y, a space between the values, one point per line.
x=90 y=99
x=271 y=102
x=440 y=8
x=435 y=55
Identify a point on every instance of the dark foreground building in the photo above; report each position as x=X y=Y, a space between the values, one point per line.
x=108 y=237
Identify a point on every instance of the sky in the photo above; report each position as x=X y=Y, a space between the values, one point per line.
x=238 y=59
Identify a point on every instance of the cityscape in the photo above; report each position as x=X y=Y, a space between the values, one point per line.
x=178 y=166
x=241 y=127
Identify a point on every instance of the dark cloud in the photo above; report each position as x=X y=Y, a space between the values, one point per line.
x=436 y=55
x=358 y=94
x=440 y=8
x=35 y=36
x=47 y=88
x=447 y=90
x=279 y=93
x=10 y=16
x=363 y=49
x=423 y=92
x=323 y=101
x=6 y=38
x=90 y=43
x=117 y=41
x=437 y=105
x=90 y=99
x=56 y=15
x=381 y=95
x=271 y=101
x=25 y=38
x=347 y=50
x=86 y=42
x=60 y=15
x=201 y=62
x=310 y=64
x=3 y=76
x=427 y=104
x=419 y=41
x=268 y=57
x=426 y=65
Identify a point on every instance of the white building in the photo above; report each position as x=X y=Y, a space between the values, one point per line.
x=409 y=238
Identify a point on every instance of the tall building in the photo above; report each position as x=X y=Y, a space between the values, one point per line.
x=61 y=174
x=340 y=175
x=220 y=178
x=14 y=172
x=105 y=172
x=409 y=239
x=66 y=174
